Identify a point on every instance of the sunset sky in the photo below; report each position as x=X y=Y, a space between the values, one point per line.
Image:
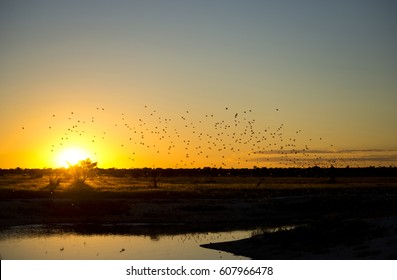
x=218 y=83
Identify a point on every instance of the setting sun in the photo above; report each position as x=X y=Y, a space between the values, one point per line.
x=71 y=156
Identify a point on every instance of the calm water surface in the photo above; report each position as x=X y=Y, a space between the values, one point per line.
x=40 y=242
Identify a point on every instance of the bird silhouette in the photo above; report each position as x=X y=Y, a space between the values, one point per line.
x=210 y=139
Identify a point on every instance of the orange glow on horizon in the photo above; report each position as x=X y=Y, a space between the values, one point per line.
x=148 y=137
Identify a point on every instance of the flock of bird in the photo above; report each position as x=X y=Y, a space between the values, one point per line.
x=227 y=139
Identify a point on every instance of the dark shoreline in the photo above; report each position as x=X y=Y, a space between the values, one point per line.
x=353 y=239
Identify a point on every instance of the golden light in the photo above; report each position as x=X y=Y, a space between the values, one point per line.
x=71 y=155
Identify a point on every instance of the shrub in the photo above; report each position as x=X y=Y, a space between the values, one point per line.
x=83 y=170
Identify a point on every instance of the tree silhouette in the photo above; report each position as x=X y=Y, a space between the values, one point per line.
x=83 y=170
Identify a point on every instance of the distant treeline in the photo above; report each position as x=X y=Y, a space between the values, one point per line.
x=216 y=172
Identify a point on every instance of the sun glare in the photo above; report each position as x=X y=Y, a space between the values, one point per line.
x=71 y=156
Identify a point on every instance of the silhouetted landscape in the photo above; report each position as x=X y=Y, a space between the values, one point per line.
x=337 y=213
x=180 y=130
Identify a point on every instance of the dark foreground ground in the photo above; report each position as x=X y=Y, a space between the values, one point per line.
x=352 y=218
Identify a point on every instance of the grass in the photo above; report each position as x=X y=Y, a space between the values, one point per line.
x=128 y=183
x=276 y=198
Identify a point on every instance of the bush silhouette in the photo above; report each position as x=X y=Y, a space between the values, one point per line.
x=53 y=182
x=82 y=171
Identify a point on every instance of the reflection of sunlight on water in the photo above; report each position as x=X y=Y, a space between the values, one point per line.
x=45 y=245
